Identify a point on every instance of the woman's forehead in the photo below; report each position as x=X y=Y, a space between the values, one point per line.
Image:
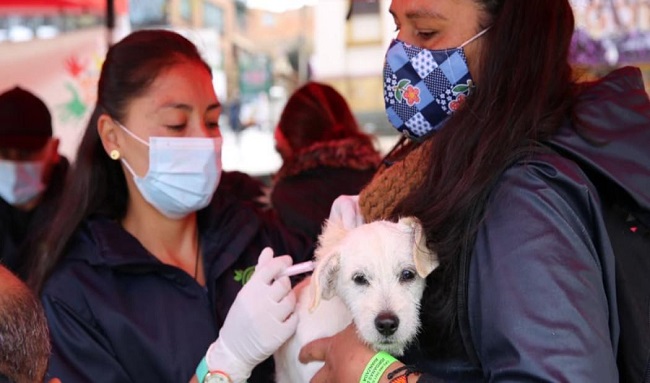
x=181 y=86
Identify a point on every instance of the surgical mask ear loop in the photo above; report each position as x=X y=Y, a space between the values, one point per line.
x=476 y=36
x=128 y=167
x=130 y=133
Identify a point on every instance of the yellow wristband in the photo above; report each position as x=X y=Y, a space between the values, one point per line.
x=376 y=367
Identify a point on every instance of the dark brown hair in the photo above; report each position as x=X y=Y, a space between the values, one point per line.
x=316 y=112
x=524 y=92
x=96 y=184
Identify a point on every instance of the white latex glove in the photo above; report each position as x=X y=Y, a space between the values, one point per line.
x=345 y=210
x=259 y=321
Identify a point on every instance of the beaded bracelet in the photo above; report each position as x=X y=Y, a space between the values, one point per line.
x=376 y=367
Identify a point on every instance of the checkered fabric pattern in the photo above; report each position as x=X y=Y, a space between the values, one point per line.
x=420 y=86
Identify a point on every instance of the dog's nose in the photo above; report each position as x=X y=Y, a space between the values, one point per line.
x=386 y=323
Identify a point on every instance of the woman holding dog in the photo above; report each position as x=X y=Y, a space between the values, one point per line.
x=495 y=122
x=145 y=265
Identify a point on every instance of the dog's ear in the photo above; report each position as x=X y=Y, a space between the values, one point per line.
x=327 y=258
x=425 y=259
x=324 y=278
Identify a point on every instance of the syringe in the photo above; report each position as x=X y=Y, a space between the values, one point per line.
x=298 y=268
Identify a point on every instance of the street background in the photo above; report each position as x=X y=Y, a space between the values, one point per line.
x=259 y=51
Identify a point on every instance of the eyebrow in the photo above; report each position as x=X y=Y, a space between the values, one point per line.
x=188 y=108
x=421 y=14
x=214 y=106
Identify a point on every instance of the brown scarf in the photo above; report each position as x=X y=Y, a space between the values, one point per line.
x=392 y=183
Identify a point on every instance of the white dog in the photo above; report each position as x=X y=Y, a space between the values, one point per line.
x=373 y=275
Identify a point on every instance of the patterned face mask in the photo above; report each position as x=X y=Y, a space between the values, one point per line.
x=422 y=87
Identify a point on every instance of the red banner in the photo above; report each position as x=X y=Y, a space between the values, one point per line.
x=47 y=6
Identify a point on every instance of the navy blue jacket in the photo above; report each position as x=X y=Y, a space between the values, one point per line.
x=117 y=314
x=541 y=296
x=14 y=228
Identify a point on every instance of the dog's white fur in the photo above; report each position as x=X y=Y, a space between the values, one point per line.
x=372 y=272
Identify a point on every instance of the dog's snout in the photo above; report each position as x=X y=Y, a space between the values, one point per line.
x=386 y=323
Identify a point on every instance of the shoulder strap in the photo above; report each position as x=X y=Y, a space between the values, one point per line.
x=463 y=315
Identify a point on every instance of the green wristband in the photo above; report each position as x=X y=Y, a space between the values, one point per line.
x=376 y=367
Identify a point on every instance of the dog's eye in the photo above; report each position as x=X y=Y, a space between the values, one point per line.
x=407 y=275
x=360 y=279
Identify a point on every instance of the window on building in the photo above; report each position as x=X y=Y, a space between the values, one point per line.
x=213 y=16
x=24 y=27
x=268 y=19
x=364 y=7
x=186 y=10
x=364 y=24
x=144 y=13
x=240 y=14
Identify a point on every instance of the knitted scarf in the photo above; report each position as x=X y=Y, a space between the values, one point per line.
x=391 y=183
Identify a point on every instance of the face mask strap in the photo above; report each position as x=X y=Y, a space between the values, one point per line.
x=128 y=167
x=481 y=33
x=130 y=133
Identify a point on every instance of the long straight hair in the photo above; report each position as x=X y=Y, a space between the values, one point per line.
x=524 y=92
x=96 y=184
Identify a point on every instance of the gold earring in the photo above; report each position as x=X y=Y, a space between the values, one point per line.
x=115 y=154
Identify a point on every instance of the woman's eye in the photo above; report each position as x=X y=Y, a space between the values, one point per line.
x=177 y=127
x=212 y=125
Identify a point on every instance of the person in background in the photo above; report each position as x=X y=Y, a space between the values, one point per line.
x=500 y=137
x=245 y=187
x=24 y=340
x=32 y=173
x=324 y=154
x=144 y=264
x=234 y=114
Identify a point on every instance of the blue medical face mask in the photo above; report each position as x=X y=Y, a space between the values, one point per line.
x=183 y=173
x=21 y=181
x=423 y=87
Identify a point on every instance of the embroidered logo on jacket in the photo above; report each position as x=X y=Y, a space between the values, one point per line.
x=244 y=275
